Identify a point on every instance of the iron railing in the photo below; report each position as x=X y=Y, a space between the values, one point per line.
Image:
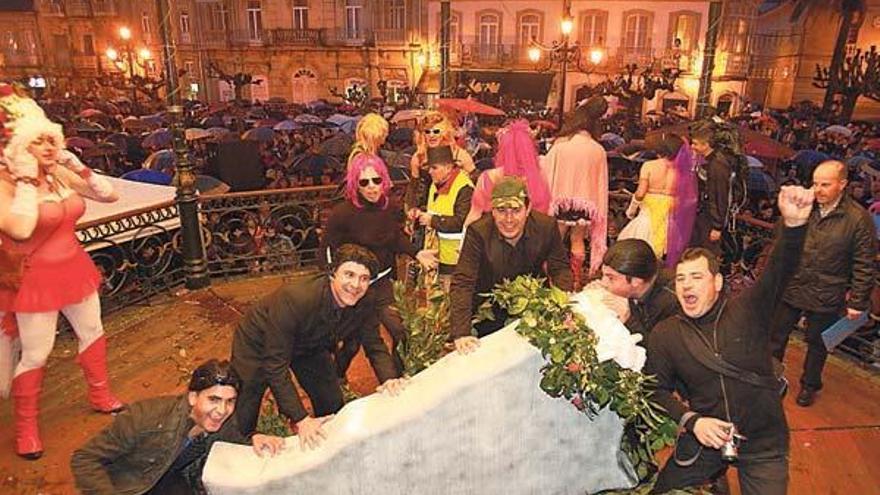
x=255 y=233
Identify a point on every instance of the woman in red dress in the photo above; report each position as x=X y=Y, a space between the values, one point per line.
x=41 y=197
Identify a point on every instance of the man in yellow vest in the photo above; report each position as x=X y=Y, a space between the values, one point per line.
x=449 y=201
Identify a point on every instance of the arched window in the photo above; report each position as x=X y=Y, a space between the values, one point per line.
x=637 y=31
x=593 y=28
x=529 y=28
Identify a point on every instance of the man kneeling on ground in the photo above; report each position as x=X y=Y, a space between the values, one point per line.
x=159 y=446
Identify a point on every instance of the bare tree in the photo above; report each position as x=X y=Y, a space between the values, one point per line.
x=858 y=75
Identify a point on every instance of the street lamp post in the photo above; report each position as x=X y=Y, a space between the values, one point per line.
x=565 y=53
x=129 y=58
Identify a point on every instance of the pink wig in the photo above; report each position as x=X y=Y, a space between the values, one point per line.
x=518 y=155
x=358 y=165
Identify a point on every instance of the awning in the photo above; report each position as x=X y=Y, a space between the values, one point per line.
x=533 y=86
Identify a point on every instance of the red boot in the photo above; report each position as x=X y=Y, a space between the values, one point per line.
x=26 y=394
x=576 y=263
x=93 y=361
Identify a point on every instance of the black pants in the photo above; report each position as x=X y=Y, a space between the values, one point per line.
x=388 y=317
x=700 y=234
x=784 y=319
x=760 y=474
x=316 y=374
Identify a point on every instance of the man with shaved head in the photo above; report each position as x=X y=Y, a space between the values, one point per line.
x=834 y=278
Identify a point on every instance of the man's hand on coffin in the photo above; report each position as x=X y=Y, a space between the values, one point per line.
x=392 y=387
x=428 y=258
x=712 y=432
x=311 y=432
x=265 y=444
x=466 y=345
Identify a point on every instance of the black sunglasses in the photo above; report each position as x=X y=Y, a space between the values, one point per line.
x=433 y=131
x=366 y=182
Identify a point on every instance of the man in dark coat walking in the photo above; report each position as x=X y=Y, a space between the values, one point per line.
x=835 y=276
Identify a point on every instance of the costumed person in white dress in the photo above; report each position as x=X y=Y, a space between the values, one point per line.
x=41 y=197
x=663 y=207
x=576 y=169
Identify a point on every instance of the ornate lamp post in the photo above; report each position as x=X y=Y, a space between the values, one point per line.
x=128 y=59
x=195 y=265
x=565 y=53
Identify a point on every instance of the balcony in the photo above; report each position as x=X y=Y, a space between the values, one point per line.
x=21 y=60
x=85 y=62
x=234 y=37
x=78 y=8
x=389 y=36
x=306 y=37
x=345 y=36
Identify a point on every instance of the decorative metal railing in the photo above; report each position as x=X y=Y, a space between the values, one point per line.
x=255 y=233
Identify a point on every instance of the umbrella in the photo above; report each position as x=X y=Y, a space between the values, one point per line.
x=338 y=145
x=120 y=140
x=809 y=158
x=91 y=112
x=259 y=134
x=754 y=162
x=101 y=149
x=409 y=114
x=212 y=121
x=79 y=142
x=157 y=139
x=86 y=126
x=277 y=100
x=160 y=161
x=318 y=105
x=344 y=122
x=194 y=133
x=760 y=181
x=400 y=135
x=133 y=123
x=147 y=176
x=218 y=132
x=467 y=105
x=286 y=125
x=612 y=140
x=266 y=123
x=873 y=144
x=206 y=184
x=838 y=129
x=307 y=118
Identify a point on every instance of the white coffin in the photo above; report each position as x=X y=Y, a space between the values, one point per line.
x=474 y=424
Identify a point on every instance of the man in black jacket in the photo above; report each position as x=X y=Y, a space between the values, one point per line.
x=511 y=241
x=835 y=277
x=159 y=446
x=298 y=327
x=718 y=349
x=629 y=269
x=714 y=192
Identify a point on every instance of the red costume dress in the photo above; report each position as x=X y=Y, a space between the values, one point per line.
x=58 y=271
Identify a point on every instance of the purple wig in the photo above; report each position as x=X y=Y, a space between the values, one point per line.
x=358 y=165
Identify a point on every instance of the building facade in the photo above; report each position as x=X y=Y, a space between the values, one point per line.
x=299 y=50
x=786 y=54
x=492 y=40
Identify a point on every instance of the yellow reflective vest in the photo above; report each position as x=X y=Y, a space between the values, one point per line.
x=444 y=204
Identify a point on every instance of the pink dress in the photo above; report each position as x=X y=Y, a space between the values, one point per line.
x=58 y=272
x=576 y=168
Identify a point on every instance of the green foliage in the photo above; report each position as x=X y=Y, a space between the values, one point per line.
x=573 y=371
x=424 y=310
x=271 y=422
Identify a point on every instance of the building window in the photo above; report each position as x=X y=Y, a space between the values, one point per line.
x=184 y=27
x=593 y=27
x=145 y=24
x=529 y=29
x=219 y=17
x=353 y=19
x=490 y=29
x=636 y=31
x=54 y=7
x=88 y=45
x=300 y=14
x=255 y=20
x=395 y=14
x=104 y=6
x=684 y=29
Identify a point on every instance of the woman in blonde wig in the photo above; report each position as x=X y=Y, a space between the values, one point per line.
x=434 y=129
x=369 y=135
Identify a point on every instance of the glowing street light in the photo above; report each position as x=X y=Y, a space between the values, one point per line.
x=567 y=25
x=125 y=33
x=112 y=54
x=145 y=54
x=534 y=54
x=596 y=56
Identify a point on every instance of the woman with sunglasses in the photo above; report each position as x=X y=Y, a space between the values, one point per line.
x=371 y=218
x=434 y=130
